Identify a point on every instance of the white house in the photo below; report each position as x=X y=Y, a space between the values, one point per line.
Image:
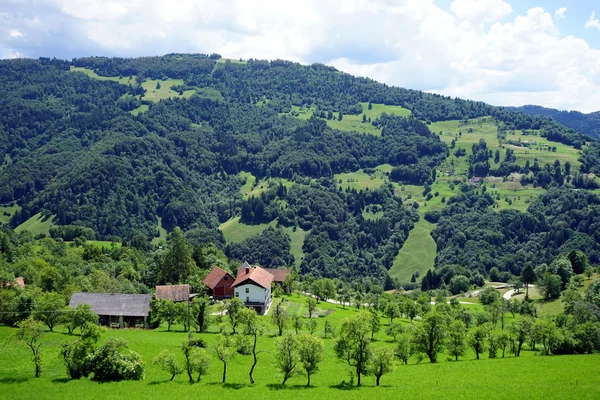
x=253 y=287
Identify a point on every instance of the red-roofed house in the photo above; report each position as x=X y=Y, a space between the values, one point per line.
x=253 y=287
x=173 y=292
x=279 y=274
x=219 y=282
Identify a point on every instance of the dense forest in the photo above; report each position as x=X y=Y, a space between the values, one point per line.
x=588 y=124
x=71 y=149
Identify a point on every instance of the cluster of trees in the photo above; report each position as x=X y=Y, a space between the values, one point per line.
x=472 y=236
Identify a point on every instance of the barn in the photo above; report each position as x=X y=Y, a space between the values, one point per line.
x=219 y=283
x=120 y=310
x=175 y=293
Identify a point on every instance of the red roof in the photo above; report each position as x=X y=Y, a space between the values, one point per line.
x=174 y=292
x=279 y=274
x=257 y=275
x=20 y=281
x=214 y=277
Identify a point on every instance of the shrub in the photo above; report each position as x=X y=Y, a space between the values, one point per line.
x=108 y=363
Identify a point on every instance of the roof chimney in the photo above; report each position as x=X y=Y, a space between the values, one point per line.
x=246 y=267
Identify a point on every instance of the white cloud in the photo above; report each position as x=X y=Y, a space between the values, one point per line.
x=476 y=50
x=592 y=22
x=15 y=33
x=560 y=13
x=481 y=11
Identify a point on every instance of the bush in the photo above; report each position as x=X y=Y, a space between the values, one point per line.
x=108 y=363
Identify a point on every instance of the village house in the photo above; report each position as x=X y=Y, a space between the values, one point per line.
x=116 y=309
x=279 y=274
x=253 y=287
x=219 y=283
x=174 y=293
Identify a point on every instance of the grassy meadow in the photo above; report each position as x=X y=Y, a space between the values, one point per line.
x=417 y=254
x=6 y=212
x=36 y=225
x=552 y=377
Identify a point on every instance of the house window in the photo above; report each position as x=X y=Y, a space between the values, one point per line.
x=226 y=278
x=247 y=299
x=237 y=294
x=247 y=290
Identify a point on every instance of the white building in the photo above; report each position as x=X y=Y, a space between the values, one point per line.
x=253 y=287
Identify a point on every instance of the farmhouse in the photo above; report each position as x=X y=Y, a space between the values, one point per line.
x=253 y=287
x=129 y=309
x=175 y=293
x=279 y=274
x=475 y=181
x=219 y=283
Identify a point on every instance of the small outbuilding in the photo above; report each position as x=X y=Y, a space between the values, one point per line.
x=116 y=309
x=176 y=293
x=219 y=283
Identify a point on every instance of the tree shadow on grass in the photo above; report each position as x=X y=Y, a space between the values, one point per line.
x=279 y=386
x=60 y=380
x=14 y=379
x=235 y=386
x=344 y=386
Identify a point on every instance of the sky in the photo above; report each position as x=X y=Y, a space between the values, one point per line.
x=504 y=52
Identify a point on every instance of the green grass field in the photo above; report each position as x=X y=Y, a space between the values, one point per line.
x=6 y=212
x=124 y=80
x=162 y=237
x=354 y=123
x=297 y=239
x=236 y=232
x=417 y=254
x=553 y=377
x=36 y=225
x=141 y=109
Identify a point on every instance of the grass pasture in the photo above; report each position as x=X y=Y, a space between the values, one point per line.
x=354 y=123
x=6 y=212
x=235 y=231
x=417 y=253
x=297 y=238
x=553 y=377
x=36 y=225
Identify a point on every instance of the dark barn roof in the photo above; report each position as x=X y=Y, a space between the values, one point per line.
x=127 y=305
x=174 y=292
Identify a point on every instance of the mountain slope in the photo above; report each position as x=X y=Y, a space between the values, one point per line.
x=588 y=124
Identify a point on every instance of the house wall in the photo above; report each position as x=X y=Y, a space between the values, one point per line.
x=223 y=288
x=256 y=294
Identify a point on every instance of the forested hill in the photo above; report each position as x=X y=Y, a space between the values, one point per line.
x=111 y=148
x=588 y=124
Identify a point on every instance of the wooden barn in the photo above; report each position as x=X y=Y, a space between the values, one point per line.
x=219 y=283
x=119 y=310
x=175 y=293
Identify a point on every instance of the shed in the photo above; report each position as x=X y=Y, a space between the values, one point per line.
x=219 y=282
x=173 y=292
x=126 y=308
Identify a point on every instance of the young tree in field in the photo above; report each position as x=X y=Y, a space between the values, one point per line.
x=200 y=362
x=477 y=339
x=430 y=335
x=403 y=348
x=187 y=347
x=311 y=324
x=30 y=332
x=310 y=351
x=493 y=342
x=82 y=315
x=224 y=351
x=527 y=277
x=382 y=361
x=184 y=314
x=297 y=322
x=157 y=85
x=391 y=310
x=49 y=309
x=412 y=310
x=311 y=304
x=168 y=363
x=394 y=330
x=286 y=355
x=374 y=321
x=457 y=333
x=503 y=338
x=353 y=345
x=280 y=317
x=254 y=328
x=168 y=312
x=200 y=313
x=233 y=308
x=520 y=332
x=328 y=330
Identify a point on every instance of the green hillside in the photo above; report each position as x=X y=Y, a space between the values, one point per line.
x=37 y=225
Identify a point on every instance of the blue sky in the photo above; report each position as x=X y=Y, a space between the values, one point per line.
x=504 y=52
